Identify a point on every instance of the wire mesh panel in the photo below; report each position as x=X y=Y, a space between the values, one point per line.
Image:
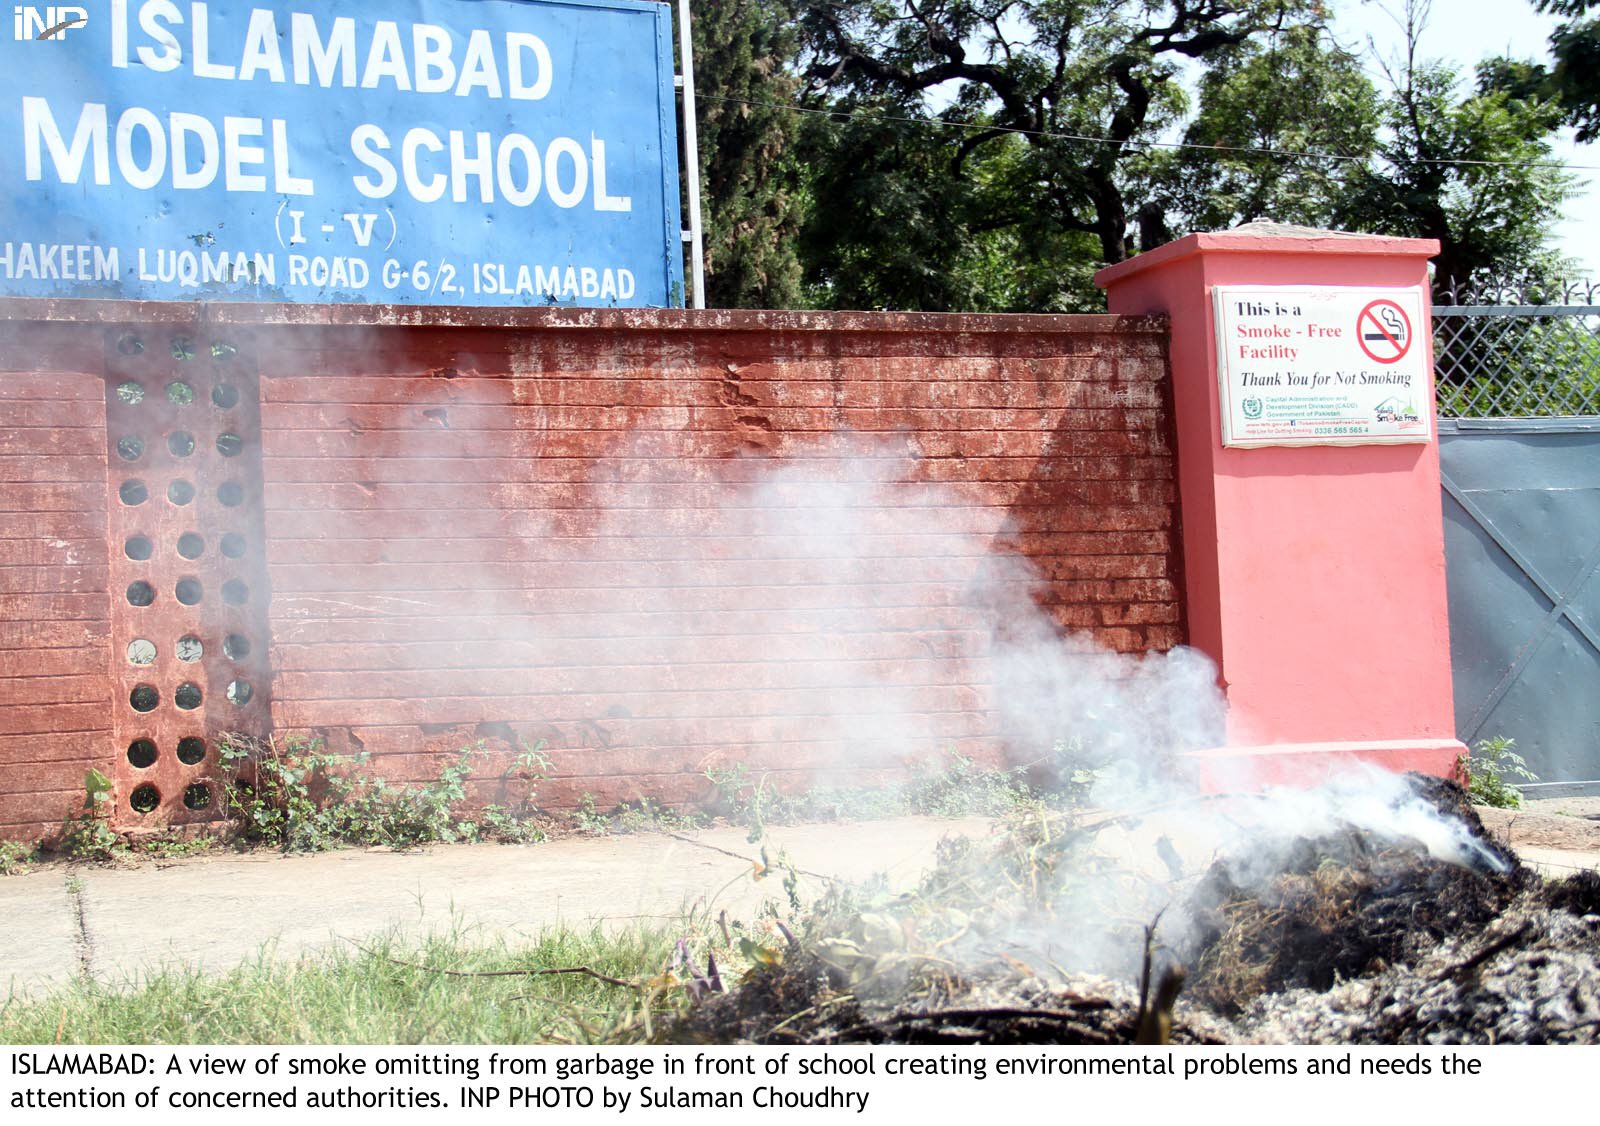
x=1527 y=350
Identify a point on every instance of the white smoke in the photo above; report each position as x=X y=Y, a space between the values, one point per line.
x=838 y=615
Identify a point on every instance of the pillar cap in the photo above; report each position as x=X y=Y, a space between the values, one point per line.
x=1266 y=237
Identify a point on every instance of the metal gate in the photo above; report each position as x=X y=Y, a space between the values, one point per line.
x=1519 y=445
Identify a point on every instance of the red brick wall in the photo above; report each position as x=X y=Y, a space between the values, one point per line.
x=55 y=694
x=546 y=525
x=543 y=532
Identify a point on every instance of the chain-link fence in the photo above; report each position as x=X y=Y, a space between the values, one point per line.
x=1522 y=350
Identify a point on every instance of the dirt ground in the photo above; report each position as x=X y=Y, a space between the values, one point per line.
x=1556 y=843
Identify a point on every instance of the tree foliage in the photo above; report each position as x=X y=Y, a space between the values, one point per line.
x=1260 y=105
x=753 y=184
x=1573 y=83
x=1056 y=97
x=1475 y=172
x=991 y=154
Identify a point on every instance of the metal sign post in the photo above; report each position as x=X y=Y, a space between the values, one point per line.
x=691 y=158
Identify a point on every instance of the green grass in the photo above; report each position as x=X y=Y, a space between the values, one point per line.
x=380 y=994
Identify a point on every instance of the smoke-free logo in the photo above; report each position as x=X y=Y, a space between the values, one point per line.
x=48 y=23
x=1251 y=408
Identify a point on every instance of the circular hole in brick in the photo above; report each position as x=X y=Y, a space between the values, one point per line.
x=235 y=593
x=196 y=795
x=181 y=443
x=180 y=393
x=145 y=799
x=142 y=754
x=180 y=492
x=233 y=545
x=229 y=445
x=231 y=494
x=130 y=447
x=222 y=350
x=189 y=592
x=138 y=548
x=236 y=647
x=144 y=698
x=141 y=593
x=182 y=348
x=187 y=696
x=191 y=545
x=225 y=396
x=190 y=649
x=239 y=692
x=133 y=493
x=130 y=393
x=191 y=749
x=141 y=652
x=129 y=344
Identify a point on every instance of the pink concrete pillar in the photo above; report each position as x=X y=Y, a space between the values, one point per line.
x=1314 y=574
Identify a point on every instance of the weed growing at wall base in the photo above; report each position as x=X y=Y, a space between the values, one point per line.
x=89 y=835
x=15 y=857
x=1488 y=769
x=957 y=786
x=292 y=794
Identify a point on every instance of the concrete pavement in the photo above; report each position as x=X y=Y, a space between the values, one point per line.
x=60 y=921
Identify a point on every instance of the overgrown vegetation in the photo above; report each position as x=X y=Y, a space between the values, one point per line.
x=957 y=786
x=1359 y=937
x=1488 y=769
x=293 y=794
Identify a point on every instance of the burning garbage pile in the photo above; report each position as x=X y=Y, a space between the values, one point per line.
x=1374 y=911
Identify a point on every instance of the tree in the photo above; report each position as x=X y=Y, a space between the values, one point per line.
x=1262 y=105
x=1574 y=82
x=1005 y=134
x=897 y=224
x=752 y=182
x=989 y=155
x=1473 y=170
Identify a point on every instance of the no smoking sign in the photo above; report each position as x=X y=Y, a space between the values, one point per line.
x=1384 y=332
x=1322 y=365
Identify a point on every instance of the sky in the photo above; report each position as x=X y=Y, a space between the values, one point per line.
x=1465 y=32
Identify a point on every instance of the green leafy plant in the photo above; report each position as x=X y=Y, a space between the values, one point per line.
x=89 y=835
x=14 y=857
x=965 y=788
x=588 y=818
x=1486 y=769
x=955 y=786
x=293 y=794
x=175 y=847
x=515 y=820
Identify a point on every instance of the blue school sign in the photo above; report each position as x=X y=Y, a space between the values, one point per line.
x=415 y=152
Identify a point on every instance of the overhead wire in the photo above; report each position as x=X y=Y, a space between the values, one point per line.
x=1089 y=138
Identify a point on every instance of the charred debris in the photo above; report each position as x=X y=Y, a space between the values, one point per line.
x=1060 y=930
